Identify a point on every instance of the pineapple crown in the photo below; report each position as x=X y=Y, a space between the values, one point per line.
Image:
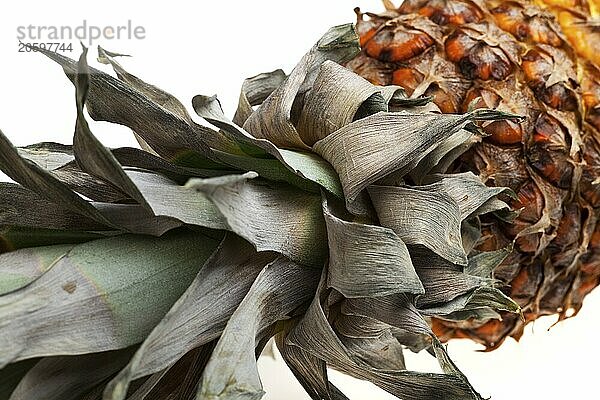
x=322 y=215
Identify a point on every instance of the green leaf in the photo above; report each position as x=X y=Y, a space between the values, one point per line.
x=199 y=315
x=16 y=237
x=104 y=295
x=19 y=268
x=299 y=168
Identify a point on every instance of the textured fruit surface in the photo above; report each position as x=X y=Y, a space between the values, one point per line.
x=535 y=58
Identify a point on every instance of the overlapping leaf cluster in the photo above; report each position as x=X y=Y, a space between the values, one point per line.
x=322 y=215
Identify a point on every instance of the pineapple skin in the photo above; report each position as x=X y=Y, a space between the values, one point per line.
x=535 y=58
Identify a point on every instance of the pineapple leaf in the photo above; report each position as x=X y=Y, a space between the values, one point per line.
x=370 y=341
x=395 y=96
x=332 y=102
x=105 y=294
x=443 y=284
x=19 y=268
x=90 y=186
x=432 y=161
x=299 y=164
x=472 y=196
x=280 y=288
x=367 y=260
x=89 y=153
x=25 y=208
x=168 y=199
x=70 y=377
x=275 y=118
x=388 y=142
x=420 y=217
x=42 y=182
x=18 y=237
x=167 y=133
x=309 y=370
x=200 y=314
x=254 y=91
x=214 y=139
x=59 y=157
x=48 y=155
x=315 y=335
x=384 y=143
x=276 y=218
x=481 y=303
x=482 y=264
x=11 y=375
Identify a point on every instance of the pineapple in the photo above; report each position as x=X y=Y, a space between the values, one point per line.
x=162 y=272
x=539 y=59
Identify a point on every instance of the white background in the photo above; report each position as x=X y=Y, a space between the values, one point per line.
x=209 y=47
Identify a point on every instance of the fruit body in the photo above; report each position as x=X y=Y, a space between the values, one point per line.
x=538 y=59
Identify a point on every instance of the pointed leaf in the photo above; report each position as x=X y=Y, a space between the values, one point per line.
x=467 y=190
x=367 y=260
x=418 y=217
x=279 y=289
x=300 y=168
x=333 y=101
x=373 y=147
x=254 y=91
x=69 y=377
x=200 y=314
x=112 y=100
x=104 y=295
x=90 y=154
x=281 y=218
x=274 y=119
x=42 y=182
x=314 y=335
x=168 y=199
